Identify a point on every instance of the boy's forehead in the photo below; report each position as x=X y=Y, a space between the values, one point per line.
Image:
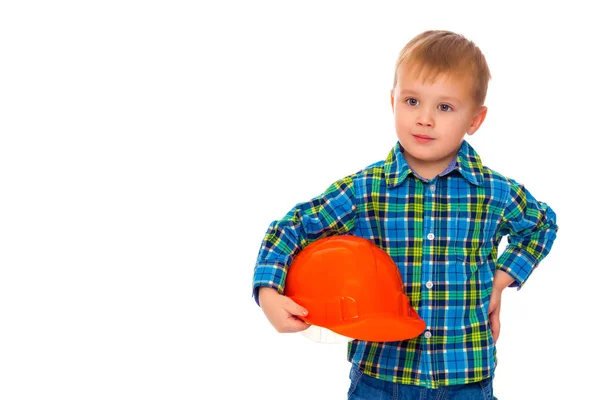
x=428 y=75
x=456 y=83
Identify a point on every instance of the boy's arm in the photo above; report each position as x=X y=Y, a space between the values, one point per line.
x=531 y=228
x=331 y=213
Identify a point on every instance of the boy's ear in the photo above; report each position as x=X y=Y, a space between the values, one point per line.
x=477 y=120
x=392 y=99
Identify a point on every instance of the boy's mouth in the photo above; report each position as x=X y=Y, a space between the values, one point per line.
x=423 y=138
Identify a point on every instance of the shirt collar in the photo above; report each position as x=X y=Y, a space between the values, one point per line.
x=467 y=163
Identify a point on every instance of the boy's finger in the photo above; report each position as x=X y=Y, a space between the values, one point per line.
x=296 y=309
x=295 y=325
x=495 y=325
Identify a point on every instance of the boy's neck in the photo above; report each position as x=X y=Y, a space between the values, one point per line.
x=428 y=169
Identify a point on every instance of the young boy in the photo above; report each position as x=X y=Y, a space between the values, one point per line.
x=440 y=214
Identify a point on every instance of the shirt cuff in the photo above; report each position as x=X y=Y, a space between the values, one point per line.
x=518 y=263
x=268 y=275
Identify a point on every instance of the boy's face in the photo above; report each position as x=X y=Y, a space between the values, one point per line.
x=433 y=118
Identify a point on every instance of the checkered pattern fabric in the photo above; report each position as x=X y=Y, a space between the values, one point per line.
x=443 y=235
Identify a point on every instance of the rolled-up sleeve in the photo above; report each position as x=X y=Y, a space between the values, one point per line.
x=331 y=213
x=531 y=229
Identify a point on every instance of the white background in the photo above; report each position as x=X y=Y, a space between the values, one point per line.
x=146 y=146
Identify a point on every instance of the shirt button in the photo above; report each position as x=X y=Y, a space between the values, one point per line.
x=430 y=236
x=427 y=334
x=432 y=188
x=429 y=284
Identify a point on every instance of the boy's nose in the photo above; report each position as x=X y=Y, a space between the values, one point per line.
x=425 y=119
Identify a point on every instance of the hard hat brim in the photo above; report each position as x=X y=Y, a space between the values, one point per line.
x=381 y=328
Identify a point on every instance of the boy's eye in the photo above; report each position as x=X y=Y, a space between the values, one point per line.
x=445 y=107
x=412 y=101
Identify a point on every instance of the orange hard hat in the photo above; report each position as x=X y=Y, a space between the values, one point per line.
x=352 y=287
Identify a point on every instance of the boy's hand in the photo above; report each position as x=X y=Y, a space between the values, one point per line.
x=494 y=312
x=501 y=281
x=281 y=311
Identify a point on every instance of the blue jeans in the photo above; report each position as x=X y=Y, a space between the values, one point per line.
x=364 y=387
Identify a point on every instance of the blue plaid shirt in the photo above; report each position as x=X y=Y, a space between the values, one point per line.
x=443 y=234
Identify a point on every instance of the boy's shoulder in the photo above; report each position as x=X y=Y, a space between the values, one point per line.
x=376 y=167
x=500 y=186
x=373 y=170
x=493 y=177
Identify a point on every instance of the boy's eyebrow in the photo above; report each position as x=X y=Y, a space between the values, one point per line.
x=451 y=99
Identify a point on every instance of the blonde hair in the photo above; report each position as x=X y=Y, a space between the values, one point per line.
x=433 y=53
